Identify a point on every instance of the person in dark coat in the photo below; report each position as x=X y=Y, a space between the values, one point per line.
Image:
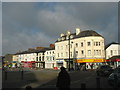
x=63 y=80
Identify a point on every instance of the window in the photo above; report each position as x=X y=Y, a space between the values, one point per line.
x=61 y=54
x=58 y=54
x=76 y=53
x=61 y=47
x=71 y=54
x=99 y=43
x=88 y=43
x=96 y=43
x=115 y=52
x=94 y=52
x=99 y=52
x=66 y=54
x=53 y=52
x=82 y=44
x=53 y=58
x=76 y=44
x=66 y=46
x=40 y=58
x=89 y=52
x=71 y=45
x=111 y=52
x=82 y=52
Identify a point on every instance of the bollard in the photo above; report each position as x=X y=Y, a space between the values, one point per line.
x=5 y=75
x=83 y=86
x=115 y=82
x=22 y=75
x=98 y=83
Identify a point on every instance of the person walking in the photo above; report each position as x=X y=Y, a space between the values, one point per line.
x=63 y=80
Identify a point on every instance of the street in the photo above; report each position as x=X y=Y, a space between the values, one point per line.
x=47 y=79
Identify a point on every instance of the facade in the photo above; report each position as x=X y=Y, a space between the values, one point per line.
x=30 y=59
x=50 y=62
x=40 y=62
x=8 y=60
x=112 y=49
x=113 y=53
x=84 y=48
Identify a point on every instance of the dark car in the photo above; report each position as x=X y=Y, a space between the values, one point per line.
x=104 y=70
x=114 y=78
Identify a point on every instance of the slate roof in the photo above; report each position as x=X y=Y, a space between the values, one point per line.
x=33 y=51
x=85 y=33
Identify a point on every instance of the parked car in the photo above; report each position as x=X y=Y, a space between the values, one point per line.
x=114 y=78
x=104 y=70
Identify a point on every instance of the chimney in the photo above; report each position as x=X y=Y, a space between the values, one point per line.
x=77 y=31
x=61 y=35
x=52 y=45
x=68 y=32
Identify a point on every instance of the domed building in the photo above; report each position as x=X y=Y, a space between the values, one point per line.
x=82 y=49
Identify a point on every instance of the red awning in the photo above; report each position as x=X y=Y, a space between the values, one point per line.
x=113 y=60
x=27 y=61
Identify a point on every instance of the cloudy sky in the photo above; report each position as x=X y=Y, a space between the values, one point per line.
x=31 y=24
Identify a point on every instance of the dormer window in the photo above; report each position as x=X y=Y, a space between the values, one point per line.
x=63 y=38
x=58 y=39
x=67 y=37
x=71 y=36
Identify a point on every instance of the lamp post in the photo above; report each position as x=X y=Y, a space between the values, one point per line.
x=69 y=53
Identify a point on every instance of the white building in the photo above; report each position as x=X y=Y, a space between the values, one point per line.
x=50 y=62
x=30 y=58
x=113 y=50
x=86 y=49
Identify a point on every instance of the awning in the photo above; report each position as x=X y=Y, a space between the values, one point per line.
x=112 y=60
x=95 y=60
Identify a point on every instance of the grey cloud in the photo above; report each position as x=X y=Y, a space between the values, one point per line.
x=26 y=26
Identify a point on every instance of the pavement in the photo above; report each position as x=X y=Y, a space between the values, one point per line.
x=47 y=79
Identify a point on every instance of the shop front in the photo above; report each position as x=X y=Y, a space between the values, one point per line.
x=113 y=62
x=40 y=64
x=91 y=63
x=28 y=64
x=59 y=63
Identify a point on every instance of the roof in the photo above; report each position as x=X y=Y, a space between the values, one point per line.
x=111 y=44
x=85 y=33
x=32 y=51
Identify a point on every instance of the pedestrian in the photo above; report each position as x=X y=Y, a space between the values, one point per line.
x=63 y=80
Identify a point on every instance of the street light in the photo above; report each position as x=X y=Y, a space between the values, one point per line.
x=69 y=52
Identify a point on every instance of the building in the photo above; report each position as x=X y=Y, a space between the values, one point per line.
x=50 y=61
x=7 y=59
x=113 y=53
x=32 y=58
x=84 y=48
